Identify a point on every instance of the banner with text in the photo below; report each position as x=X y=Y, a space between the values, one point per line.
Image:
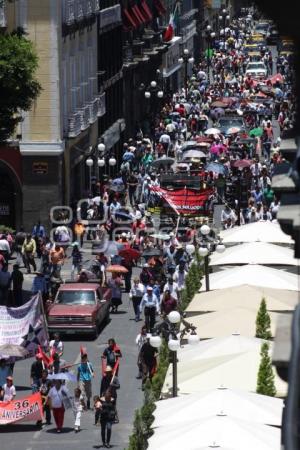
x=23 y=410
x=24 y=326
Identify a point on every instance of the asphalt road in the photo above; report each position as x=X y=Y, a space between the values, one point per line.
x=124 y=329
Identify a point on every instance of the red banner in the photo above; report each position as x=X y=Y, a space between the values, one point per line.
x=186 y=201
x=22 y=410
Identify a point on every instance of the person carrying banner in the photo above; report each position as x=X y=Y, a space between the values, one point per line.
x=55 y=400
x=45 y=386
x=111 y=354
x=85 y=373
x=36 y=372
x=110 y=382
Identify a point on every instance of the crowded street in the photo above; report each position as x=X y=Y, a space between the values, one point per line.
x=104 y=298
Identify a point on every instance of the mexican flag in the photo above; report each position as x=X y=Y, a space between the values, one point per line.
x=169 y=33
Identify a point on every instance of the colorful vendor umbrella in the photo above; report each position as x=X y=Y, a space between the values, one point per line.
x=233 y=130
x=216 y=168
x=256 y=132
x=242 y=163
x=162 y=236
x=130 y=254
x=212 y=131
x=116 y=268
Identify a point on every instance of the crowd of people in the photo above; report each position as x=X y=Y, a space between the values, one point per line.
x=237 y=163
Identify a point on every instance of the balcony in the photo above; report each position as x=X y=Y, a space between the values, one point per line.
x=94 y=107
x=104 y=4
x=74 y=125
x=85 y=117
x=77 y=14
x=101 y=105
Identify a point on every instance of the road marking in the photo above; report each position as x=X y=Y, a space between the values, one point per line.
x=36 y=434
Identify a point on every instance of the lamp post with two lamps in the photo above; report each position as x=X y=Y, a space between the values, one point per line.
x=210 y=35
x=208 y=245
x=223 y=18
x=153 y=93
x=170 y=331
x=186 y=59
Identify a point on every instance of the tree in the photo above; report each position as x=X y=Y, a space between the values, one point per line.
x=265 y=379
x=18 y=85
x=263 y=322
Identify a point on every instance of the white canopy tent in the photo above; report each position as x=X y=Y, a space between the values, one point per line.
x=256 y=232
x=219 y=346
x=244 y=296
x=253 y=275
x=216 y=430
x=237 y=404
x=255 y=253
x=229 y=321
x=237 y=371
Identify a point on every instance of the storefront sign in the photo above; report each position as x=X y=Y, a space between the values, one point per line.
x=40 y=168
x=110 y=15
x=4 y=210
x=170 y=58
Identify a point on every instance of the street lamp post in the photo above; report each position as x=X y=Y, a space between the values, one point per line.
x=207 y=248
x=153 y=93
x=209 y=36
x=223 y=17
x=169 y=330
x=89 y=162
x=186 y=59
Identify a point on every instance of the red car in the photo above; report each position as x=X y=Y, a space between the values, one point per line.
x=79 y=308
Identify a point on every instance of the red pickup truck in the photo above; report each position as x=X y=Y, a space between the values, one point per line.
x=79 y=308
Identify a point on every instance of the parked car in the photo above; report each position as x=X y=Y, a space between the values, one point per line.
x=257 y=70
x=262 y=28
x=79 y=308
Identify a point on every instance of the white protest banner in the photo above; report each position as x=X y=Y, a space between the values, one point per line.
x=24 y=326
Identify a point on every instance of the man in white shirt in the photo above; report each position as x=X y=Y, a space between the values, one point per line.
x=56 y=345
x=172 y=287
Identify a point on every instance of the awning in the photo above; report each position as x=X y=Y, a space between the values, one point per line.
x=129 y=20
x=146 y=10
x=185 y=201
x=136 y=11
x=159 y=7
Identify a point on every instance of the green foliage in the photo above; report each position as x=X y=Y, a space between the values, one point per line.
x=263 y=322
x=4 y=229
x=265 y=378
x=18 y=86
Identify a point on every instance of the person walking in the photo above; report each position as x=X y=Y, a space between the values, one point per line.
x=45 y=386
x=150 y=303
x=78 y=407
x=111 y=354
x=140 y=340
x=110 y=382
x=108 y=414
x=85 y=374
x=28 y=251
x=115 y=284
x=76 y=260
x=36 y=372
x=17 y=279
x=136 y=294
x=147 y=358
x=56 y=401
x=9 y=390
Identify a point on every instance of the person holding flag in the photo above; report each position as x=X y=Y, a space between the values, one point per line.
x=111 y=356
x=110 y=383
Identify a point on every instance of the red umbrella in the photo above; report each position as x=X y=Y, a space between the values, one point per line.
x=242 y=163
x=130 y=254
x=116 y=268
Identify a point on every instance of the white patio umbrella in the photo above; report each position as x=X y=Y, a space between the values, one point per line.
x=219 y=346
x=254 y=275
x=244 y=296
x=216 y=430
x=237 y=371
x=237 y=404
x=256 y=232
x=228 y=321
x=255 y=253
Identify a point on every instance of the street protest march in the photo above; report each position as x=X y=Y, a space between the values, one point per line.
x=24 y=326
x=22 y=410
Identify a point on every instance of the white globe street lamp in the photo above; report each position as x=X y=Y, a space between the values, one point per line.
x=220 y=248
x=203 y=252
x=191 y=60
x=101 y=162
x=147 y=94
x=155 y=341
x=112 y=161
x=186 y=51
x=190 y=249
x=153 y=84
x=173 y=345
x=89 y=162
x=174 y=317
x=180 y=60
x=193 y=339
x=208 y=27
x=160 y=94
x=101 y=147
x=205 y=230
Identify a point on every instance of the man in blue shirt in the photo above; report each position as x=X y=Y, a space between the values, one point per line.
x=85 y=373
